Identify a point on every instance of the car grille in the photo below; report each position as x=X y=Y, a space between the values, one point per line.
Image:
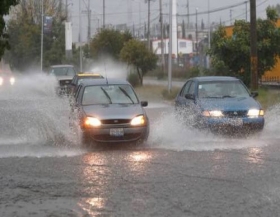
x=116 y=121
x=235 y=114
x=64 y=82
x=126 y=137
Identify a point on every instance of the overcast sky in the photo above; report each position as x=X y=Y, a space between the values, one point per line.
x=136 y=12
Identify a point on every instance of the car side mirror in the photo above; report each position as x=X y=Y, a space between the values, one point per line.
x=189 y=96
x=254 y=94
x=144 y=103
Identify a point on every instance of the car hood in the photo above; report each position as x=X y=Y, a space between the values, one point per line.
x=228 y=104
x=111 y=111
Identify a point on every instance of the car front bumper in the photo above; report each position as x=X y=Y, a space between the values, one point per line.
x=131 y=134
x=234 y=124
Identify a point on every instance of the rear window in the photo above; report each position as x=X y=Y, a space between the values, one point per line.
x=63 y=71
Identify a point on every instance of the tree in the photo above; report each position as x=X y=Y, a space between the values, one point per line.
x=4 y=10
x=234 y=51
x=135 y=53
x=24 y=28
x=108 y=42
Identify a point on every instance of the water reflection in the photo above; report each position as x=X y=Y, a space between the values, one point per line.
x=255 y=155
x=106 y=174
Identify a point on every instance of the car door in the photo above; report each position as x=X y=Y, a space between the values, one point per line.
x=181 y=100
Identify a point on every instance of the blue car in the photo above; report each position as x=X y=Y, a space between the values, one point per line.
x=219 y=103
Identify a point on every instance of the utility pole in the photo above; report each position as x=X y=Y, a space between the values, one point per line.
x=148 y=32
x=230 y=16
x=246 y=12
x=103 y=14
x=161 y=37
x=170 y=48
x=66 y=10
x=42 y=34
x=253 y=37
x=80 y=43
x=89 y=18
x=188 y=6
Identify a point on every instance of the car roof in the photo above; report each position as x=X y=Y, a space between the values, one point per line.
x=215 y=78
x=101 y=81
x=89 y=74
x=58 y=66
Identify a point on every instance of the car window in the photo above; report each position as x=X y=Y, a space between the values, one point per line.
x=186 y=88
x=223 y=89
x=63 y=71
x=192 y=88
x=109 y=94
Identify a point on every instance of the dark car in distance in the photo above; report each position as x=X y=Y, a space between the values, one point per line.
x=64 y=75
x=81 y=77
x=109 y=111
x=221 y=104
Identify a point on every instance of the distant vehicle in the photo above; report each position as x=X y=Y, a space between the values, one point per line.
x=219 y=103
x=109 y=111
x=80 y=77
x=64 y=75
x=6 y=78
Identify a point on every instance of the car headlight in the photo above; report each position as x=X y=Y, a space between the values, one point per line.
x=254 y=113
x=215 y=113
x=139 y=120
x=93 y=122
x=1 y=81
x=12 y=80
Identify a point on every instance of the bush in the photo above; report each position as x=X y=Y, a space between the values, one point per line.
x=133 y=79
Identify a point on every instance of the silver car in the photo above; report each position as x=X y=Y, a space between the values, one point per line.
x=109 y=111
x=64 y=75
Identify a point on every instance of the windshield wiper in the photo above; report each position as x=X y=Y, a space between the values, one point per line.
x=126 y=94
x=107 y=95
x=228 y=96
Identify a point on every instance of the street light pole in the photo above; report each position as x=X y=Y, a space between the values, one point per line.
x=42 y=34
x=80 y=43
x=103 y=14
x=253 y=39
x=149 y=13
x=170 y=48
x=161 y=37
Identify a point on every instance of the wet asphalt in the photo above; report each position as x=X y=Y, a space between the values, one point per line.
x=178 y=172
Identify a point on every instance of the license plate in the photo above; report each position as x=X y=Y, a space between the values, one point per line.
x=116 y=132
x=237 y=122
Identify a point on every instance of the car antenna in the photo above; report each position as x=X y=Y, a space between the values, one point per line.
x=105 y=73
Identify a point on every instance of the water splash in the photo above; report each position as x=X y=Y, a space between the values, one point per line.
x=33 y=116
x=170 y=132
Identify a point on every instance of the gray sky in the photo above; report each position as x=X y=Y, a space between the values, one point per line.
x=136 y=12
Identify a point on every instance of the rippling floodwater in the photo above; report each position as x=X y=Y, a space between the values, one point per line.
x=169 y=133
x=34 y=122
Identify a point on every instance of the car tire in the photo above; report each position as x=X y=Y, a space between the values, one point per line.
x=86 y=139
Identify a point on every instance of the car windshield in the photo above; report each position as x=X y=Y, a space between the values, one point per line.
x=109 y=94
x=63 y=71
x=222 y=89
x=87 y=78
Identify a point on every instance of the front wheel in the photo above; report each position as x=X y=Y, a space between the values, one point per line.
x=86 y=139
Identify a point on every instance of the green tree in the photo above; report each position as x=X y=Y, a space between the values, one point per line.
x=4 y=10
x=234 y=51
x=136 y=54
x=108 y=42
x=24 y=28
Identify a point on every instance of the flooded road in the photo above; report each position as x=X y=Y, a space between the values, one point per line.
x=179 y=172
